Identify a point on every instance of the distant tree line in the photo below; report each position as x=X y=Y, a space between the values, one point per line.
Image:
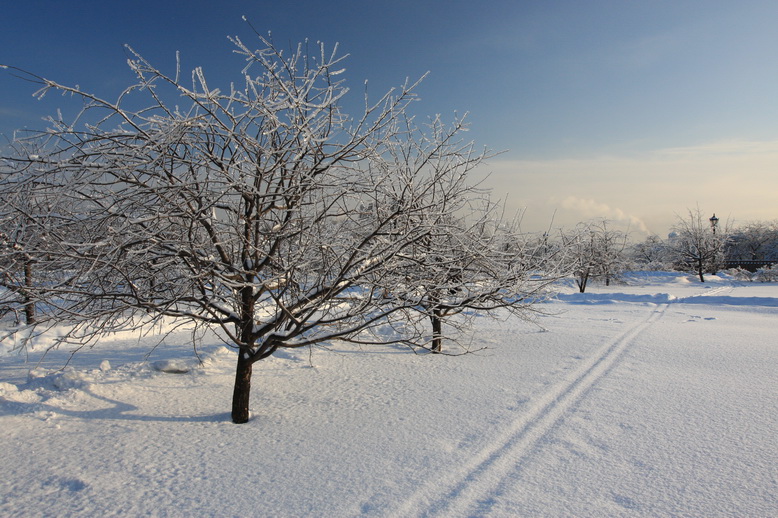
x=595 y=251
x=704 y=246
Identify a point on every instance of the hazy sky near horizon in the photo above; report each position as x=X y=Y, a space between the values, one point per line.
x=631 y=110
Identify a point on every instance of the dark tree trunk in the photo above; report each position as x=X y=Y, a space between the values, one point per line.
x=582 y=280
x=700 y=270
x=437 y=330
x=242 y=390
x=29 y=305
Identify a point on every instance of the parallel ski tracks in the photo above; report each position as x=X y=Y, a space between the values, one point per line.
x=462 y=491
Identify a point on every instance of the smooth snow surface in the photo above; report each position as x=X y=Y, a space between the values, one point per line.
x=658 y=397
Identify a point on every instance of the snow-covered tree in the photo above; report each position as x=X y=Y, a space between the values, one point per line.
x=594 y=250
x=26 y=213
x=651 y=254
x=696 y=244
x=468 y=265
x=610 y=254
x=578 y=245
x=16 y=262
x=753 y=241
x=263 y=210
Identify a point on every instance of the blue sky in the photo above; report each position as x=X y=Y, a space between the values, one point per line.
x=630 y=110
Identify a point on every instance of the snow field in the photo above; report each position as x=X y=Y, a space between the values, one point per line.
x=656 y=398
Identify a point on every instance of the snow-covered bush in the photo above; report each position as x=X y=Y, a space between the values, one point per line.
x=740 y=274
x=767 y=274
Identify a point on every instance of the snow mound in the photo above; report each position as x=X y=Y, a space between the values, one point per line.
x=61 y=381
x=173 y=366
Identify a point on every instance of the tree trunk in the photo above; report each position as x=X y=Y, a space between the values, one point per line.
x=242 y=390
x=700 y=270
x=437 y=331
x=29 y=305
x=582 y=280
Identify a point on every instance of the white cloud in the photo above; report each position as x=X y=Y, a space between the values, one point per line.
x=591 y=209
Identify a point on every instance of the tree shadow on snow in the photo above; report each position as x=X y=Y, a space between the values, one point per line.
x=118 y=410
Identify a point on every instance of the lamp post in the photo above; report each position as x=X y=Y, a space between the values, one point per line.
x=714 y=221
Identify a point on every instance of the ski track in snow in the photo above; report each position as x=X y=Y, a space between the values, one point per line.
x=469 y=490
x=711 y=293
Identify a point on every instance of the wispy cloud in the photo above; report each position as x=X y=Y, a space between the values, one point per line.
x=732 y=147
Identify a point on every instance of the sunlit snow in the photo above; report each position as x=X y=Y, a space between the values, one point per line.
x=658 y=397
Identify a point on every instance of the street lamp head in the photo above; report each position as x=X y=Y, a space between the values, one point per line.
x=713 y=222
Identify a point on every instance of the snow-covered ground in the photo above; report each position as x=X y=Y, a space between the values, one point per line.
x=655 y=398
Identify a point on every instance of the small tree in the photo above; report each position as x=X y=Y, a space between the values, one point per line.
x=579 y=246
x=594 y=250
x=698 y=245
x=753 y=242
x=652 y=253
x=468 y=266
x=610 y=258
x=25 y=215
x=237 y=209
